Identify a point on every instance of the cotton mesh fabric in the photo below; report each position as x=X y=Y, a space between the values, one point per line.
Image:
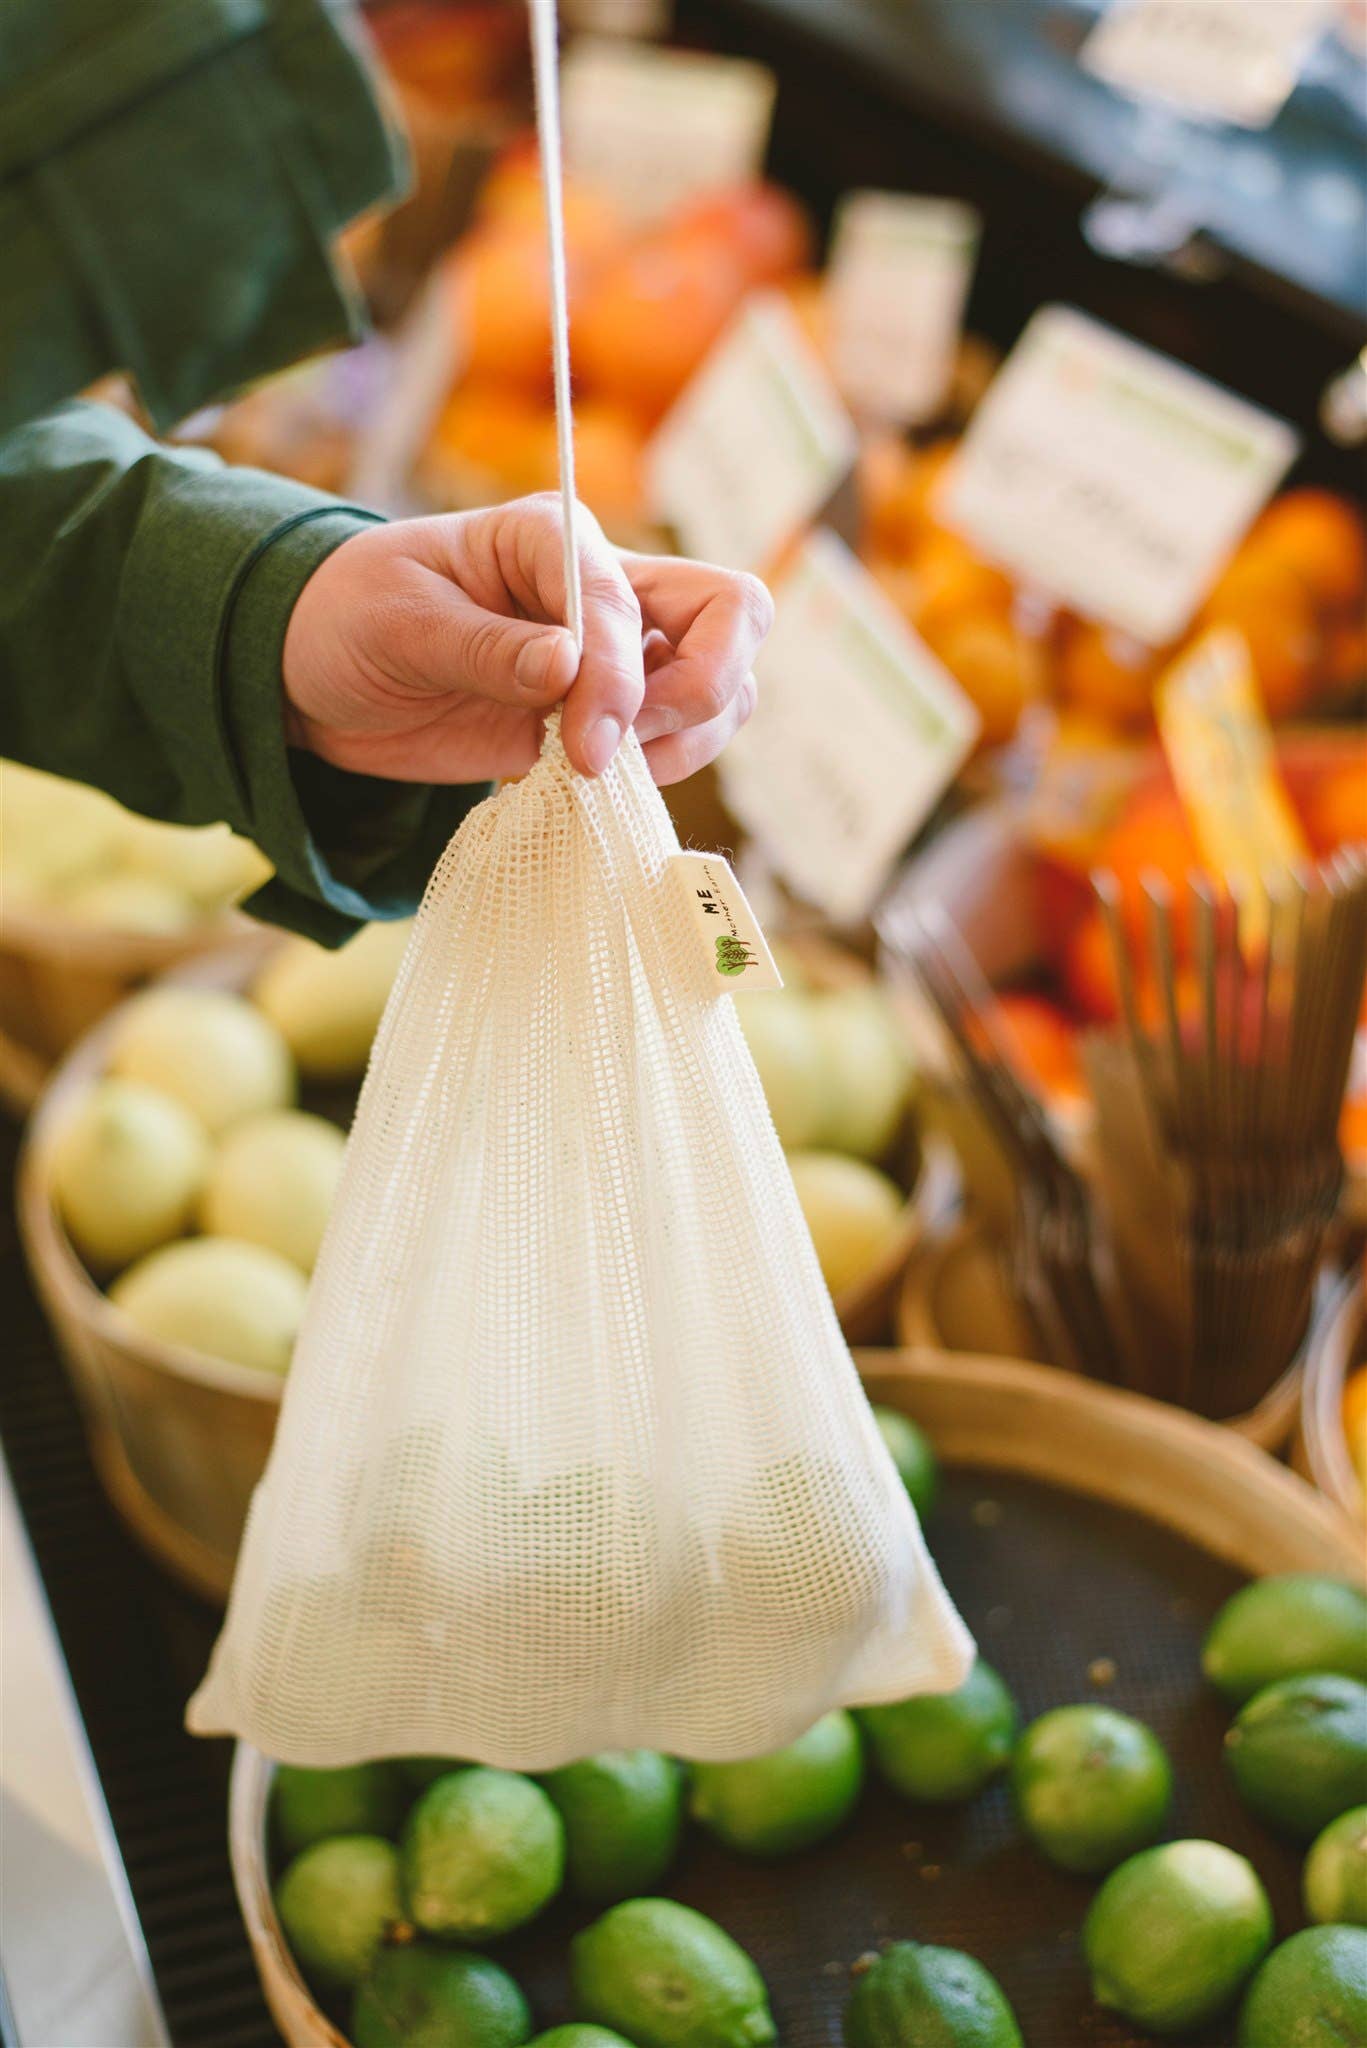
x=572 y=1454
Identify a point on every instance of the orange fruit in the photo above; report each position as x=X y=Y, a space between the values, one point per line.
x=1355 y=1421
x=1089 y=976
x=1106 y=674
x=1271 y=605
x=1353 y=1137
x=762 y=227
x=1043 y=1042
x=647 y=320
x=993 y=663
x=1151 y=836
x=1334 y=811
x=1322 y=538
x=494 y=431
x=952 y=581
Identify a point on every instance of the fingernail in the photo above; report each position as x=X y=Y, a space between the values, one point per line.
x=601 y=742
x=536 y=662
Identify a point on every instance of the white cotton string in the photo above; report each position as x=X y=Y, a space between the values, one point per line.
x=546 y=79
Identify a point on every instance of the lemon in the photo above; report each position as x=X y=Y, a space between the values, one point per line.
x=1335 y=1880
x=777 y=1804
x=1298 y=1752
x=217 y=1055
x=942 y=1747
x=360 y=1799
x=911 y=1453
x=328 y=1005
x=936 y=1996
x=866 y=1072
x=336 y=1902
x=127 y=1168
x=1091 y=1786
x=131 y=903
x=208 y=862
x=1174 y=1934
x=853 y=1211
x=783 y=1045
x=1281 y=1628
x=1310 y=1993
x=229 y=1300
x=483 y=1851
x=273 y=1183
x=623 y=1812
x=417 y=1997
x=668 y=1977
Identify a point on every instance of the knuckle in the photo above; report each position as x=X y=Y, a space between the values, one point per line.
x=755 y=605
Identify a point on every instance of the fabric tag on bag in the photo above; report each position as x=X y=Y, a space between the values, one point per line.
x=899 y=276
x=1110 y=477
x=1217 y=60
x=731 y=945
x=1224 y=762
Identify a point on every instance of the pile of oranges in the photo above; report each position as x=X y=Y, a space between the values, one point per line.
x=647 y=307
x=1294 y=589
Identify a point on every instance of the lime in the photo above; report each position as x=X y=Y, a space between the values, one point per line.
x=1335 y=1882
x=944 y=1746
x=336 y=1903
x=419 y=1997
x=912 y=1455
x=422 y=1771
x=1173 y=1934
x=1298 y=1752
x=482 y=1851
x=931 y=1995
x=1310 y=1993
x=575 y=2036
x=774 y=1805
x=1280 y=1628
x=623 y=1813
x=360 y=1799
x=668 y=1977
x=1091 y=1786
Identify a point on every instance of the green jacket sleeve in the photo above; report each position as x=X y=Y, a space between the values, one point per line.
x=144 y=594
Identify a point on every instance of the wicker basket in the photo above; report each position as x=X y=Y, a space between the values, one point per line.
x=58 y=979
x=1171 y=1468
x=179 y=1439
x=1338 y=1343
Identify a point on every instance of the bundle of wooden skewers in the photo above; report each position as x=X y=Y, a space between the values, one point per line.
x=1183 y=1259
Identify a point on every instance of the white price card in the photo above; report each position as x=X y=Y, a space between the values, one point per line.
x=857 y=733
x=898 y=279
x=1216 y=60
x=756 y=444
x=1110 y=477
x=654 y=127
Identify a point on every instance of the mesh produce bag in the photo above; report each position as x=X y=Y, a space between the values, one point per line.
x=572 y=1454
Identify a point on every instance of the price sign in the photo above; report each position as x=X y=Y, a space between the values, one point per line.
x=1111 y=477
x=654 y=127
x=756 y=444
x=1223 y=759
x=1220 y=60
x=899 y=276
x=857 y=733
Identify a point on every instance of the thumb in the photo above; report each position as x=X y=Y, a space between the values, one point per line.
x=447 y=643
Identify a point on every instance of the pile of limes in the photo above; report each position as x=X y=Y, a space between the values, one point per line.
x=394 y=1874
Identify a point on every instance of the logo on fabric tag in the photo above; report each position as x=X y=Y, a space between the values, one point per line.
x=730 y=942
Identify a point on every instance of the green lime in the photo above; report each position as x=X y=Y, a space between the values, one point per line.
x=944 y=1746
x=421 y=1771
x=336 y=1902
x=931 y=1996
x=777 y=1804
x=575 y=2036
x=668 y=1977
x=1091 y=1786
x=1281 y=1628
x=911 y=1454
x=1298 y=1752
x=418 y=1997
x=1310 y=1993
x=1335 y=1881
x=361 y=1799
x=482 y=1851
x=1174 y=1933
x=623 y=1814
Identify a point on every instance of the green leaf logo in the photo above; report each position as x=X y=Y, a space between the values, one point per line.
x=733 y=955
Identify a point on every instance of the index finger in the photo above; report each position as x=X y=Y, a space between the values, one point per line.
x=716 y=620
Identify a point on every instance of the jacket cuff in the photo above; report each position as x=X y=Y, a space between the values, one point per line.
x=346 y=847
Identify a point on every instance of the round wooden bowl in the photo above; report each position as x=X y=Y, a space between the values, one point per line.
x=1170 y=1468
x=179 y=1439
x=955 y=1296
x=1338 y=1343
x=57 y=979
